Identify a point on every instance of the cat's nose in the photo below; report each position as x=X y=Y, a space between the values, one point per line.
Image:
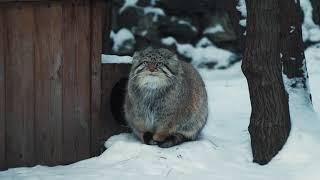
x=152 y=67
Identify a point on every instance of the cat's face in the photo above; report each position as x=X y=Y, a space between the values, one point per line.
x=154 y=68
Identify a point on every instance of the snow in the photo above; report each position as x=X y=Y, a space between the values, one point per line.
x=188 y=24
x=147 y=10
x=109 y=59
x=223 y=150
x=313 y=62
x=155 y=11
x=212 y=54
x=310 y=30
x=128 y=3
x=204 y=42
x=168 y=41
x=241 y=7
x=202 y=54
x=243 y=22
x=119 y=38
x=185 y=49
x=214 y=29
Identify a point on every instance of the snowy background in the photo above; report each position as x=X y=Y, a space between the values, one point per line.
x=223 y=150
x=201 y=32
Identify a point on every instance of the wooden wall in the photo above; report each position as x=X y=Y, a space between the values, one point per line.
x=50 y=78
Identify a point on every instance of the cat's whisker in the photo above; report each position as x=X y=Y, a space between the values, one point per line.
x=134 y=76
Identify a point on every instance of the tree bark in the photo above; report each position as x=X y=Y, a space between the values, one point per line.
x=292 y=46
x=270 y=120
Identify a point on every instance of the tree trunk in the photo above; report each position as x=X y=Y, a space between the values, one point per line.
x=270 y=120
x=292 y=47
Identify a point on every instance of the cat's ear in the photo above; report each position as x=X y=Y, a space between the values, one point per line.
x=175 y=57
x=135 y=56
x=148 y=49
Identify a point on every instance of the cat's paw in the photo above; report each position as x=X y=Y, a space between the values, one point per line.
x=152 y=142
x=147 y=138
x=166 y=144
x=172 y=140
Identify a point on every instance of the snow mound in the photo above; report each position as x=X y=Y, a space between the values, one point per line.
x=213 y=29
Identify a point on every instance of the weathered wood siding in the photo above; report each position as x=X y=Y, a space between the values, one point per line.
x=49 y=81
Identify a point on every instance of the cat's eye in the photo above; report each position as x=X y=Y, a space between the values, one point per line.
x=145 y=63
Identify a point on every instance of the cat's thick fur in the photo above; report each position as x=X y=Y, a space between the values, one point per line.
x=166 y=101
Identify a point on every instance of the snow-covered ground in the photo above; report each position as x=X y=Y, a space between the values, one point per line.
x=222 y=152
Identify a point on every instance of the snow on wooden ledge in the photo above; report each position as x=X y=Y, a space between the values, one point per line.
x=114 y=59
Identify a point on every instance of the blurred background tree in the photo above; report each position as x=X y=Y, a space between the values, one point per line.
x=192 y=28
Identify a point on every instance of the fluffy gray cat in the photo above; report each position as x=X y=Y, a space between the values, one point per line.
x=166 y=102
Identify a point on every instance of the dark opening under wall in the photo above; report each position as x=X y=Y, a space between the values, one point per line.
x=117 y=101
x=114 y=80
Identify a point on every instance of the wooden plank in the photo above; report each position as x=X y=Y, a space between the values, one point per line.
x=97 y=25
x=3 y=40
x=76 y=82
x=48 y=66
x=20 y=87
x=83 y=77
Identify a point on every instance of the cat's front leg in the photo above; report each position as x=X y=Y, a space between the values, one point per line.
x=138 y=129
